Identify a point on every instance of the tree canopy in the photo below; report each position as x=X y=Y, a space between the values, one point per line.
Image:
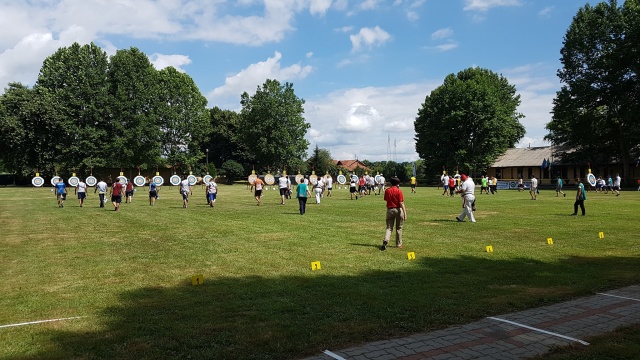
x=596 y=112
x=272 y=125
x=468 y=122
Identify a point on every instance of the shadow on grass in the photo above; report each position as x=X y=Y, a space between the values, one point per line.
x=295 y=316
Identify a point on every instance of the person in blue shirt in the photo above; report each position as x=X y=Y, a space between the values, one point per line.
x=302 y=193
x=581 y=196
x=153 y=193
x=61 y=192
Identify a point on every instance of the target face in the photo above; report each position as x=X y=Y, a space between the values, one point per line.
x=313 y=179
x=342 y=179
x=252 y=178
x=269 y=179
x=37 y=181
x=54 y=180
x=354 y=177
x=207 y=178
x=192 y=179
x=591 y=179
x=158 y=180
x=91 y=181
x=174 y=180
x=377 y=178
x=139 y=180
x=299 y=178
x=73 y=181
x=122 y=180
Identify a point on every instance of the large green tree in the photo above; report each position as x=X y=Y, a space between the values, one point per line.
x=596 y=113
x=320 y=161
x=468 y=121
x=273 y=125
x=134 y=95
x=224 y=142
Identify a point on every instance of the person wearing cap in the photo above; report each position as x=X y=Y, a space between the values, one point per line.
x=467 y=191
x=581 y=196
x=396 y=213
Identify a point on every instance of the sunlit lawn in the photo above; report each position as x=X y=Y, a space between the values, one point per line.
x=128 y=273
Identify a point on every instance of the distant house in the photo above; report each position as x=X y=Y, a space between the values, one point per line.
x=544 y=164
x=351 y=165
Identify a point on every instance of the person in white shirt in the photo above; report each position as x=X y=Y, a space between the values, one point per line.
x=81 y=190
x=101 y=189
x=467 y=190
x=381 y=181
x=285 y=185
x=445 y=185
x=212 y=191
x=534 y=187
x=329 y=184
x=318 y=188
x=185 y=190
x=616 y=184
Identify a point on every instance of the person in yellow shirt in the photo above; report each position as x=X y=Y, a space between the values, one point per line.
x=414 y=182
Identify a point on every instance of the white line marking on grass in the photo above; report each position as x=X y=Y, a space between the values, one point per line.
x=333 y=355
x=41 y=321
x=621 y=297
x=540 y=330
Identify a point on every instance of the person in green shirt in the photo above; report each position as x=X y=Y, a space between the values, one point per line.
x=302 y=193
x=559 y=187
x=483 y=185
x=581 y=196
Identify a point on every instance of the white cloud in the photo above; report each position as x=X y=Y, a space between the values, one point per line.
x=344 y=29
x=253 y=76
x=309 y=54
x=413 y=16
x=485 y=5
x=161 y=61
x=546 y=12
x=442 y=34
x=443 y=47
x=369 y=4
x=369 y=37
x=319 y=7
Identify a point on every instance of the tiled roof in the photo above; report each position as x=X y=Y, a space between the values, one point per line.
x=526 y=157
x=351 y=164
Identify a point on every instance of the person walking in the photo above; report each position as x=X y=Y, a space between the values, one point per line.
x=414 y=183
x=381 y=181
x=318 y=188
x=185 y=190
x=559 y=187
x=129 y=192
x=153 y=193
x=101 y=189
x=396 y=213
x=467 y=191
x=483 y=184
x=81 y=191
x=116 y=194
x=212 y=191
x=445 y=184
x=329 y=184
x=285 y=186
x=616 y=184
x=534 y=187
x=61 y=192
x=353 y=183
x=258 y=184
x=302 y=193
x=581 y=196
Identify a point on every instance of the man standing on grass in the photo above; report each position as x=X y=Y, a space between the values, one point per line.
x=153 y=193
x=212 y=191
x=381 y=181
x=258 y=189
x=396 y=213
x=101 y=189
x=534 y=187
x=329 y=183
x=284 y=184
x=616 y=184
x=61 y=192
x=129 y=192
x=116 y=194
x=581 y=196
x=414 y=182
x=559 y=187
x=318 y=188
x=81 y=191
x=467 y=189
x=302 y=193
x=185 y=190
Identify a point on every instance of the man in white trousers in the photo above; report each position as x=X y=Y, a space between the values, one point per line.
x=467 y=190
x=318 y=188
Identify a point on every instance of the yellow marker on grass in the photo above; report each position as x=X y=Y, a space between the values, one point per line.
x=315 y=265
x=489 y=248
x=411 y=255
x=601 y=234
x=550 y=241
x=197 y=279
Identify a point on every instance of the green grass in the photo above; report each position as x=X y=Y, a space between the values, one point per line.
x=129 y=272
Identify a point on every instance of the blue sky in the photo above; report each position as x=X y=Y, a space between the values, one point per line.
x=363 y=67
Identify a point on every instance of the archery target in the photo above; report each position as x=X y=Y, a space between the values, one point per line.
x=252 y=178
x=313 y=179
x=54 y=180
x=591 y=179
x=342 y=179
x=121 y=179
x=299 y=178
x=174 y=180
x=192 y=179
x=37 y=181
x=158 y=180
x=354 y=177
x=139 y=180
x=269 y=179
x=207 y=178
x=377 y=178
x=91 y=181
x=73 y=181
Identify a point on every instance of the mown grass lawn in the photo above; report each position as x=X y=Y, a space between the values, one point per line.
x=128 y=273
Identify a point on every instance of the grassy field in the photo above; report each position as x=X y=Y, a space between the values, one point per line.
x=128 y=273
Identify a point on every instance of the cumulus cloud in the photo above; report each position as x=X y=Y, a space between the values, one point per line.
x=485 y=5
x=369 y=37
x=546 y=12
x=161 y=61
x=254 y=75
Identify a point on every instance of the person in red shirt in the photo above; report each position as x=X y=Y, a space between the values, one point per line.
x=116 y=194
x=396 y=213
x=129 y=192
x=452 y=185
